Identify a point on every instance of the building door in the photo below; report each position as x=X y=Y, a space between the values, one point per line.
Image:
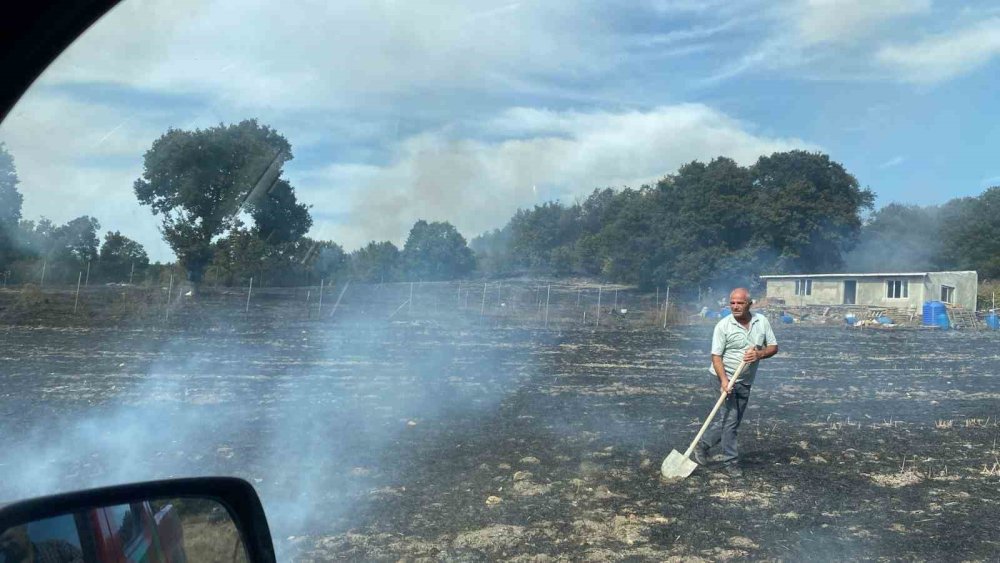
x=850 y=292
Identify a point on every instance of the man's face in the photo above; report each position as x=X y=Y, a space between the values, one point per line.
x=739 y=302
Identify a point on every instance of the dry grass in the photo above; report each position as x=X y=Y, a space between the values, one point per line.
x=212 y=541
x=941 y=424
x=977 y=422
x=991 y=471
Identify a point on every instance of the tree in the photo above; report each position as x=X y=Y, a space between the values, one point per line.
x=536 y=233
x=120 y=256
x=10 y=208
x=237 y=256
x=330 y=260
x=77 y=240
x=808 y=209
x=436 y=251
x=376 y=262
x=201 y=180
x=493 y=254
x=970 y=234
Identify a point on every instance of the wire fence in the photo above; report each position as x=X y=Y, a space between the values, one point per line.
x=527 y=304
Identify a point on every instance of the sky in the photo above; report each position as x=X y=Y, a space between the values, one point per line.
x=466 y=111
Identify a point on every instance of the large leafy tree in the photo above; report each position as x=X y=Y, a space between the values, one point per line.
x=77 y=240
x=200 y=181
x=809 y=210
x=10 y=207
x=376 y=262
x=970 y=234
x=120 y=256
x=436 y=251
x=536 y=233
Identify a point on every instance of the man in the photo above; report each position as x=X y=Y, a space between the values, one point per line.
x=739 y=337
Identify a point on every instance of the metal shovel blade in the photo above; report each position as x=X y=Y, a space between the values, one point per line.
x=677 y=466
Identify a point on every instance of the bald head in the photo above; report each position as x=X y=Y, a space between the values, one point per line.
x=739 y=303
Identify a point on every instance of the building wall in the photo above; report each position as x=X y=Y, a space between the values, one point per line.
x=966 y=286
x=872 y=291
x=825 y=291
x=830 y=291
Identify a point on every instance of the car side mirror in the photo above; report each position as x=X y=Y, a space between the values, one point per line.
x=177 y=520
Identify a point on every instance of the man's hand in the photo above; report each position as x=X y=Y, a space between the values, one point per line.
x=752 y=355
x=724 y=388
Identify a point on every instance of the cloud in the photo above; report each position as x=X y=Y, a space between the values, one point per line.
x=75 y=158
x=819 y=38
x=544 y=154
x=894 y=161
x=843 y=21
x=327 y=54
x=944 y=56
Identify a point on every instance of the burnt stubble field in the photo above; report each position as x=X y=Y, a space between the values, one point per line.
x=443 y=432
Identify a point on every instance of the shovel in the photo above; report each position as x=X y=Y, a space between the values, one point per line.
x=678 y=466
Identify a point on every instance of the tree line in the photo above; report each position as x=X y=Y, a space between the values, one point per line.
x=715 y=222
x=228 y=214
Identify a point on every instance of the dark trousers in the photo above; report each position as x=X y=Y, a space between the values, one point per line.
x=727 y=422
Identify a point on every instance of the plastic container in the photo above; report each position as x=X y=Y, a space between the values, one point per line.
x=932 y=310
x=884 y=320
x=850 y=319
x=787 y=319
x=942 y=321
x=726 y=311
x=993 y=321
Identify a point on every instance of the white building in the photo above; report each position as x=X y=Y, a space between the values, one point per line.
x=899 y=290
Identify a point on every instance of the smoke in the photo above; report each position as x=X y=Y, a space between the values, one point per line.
x=542 y=155
x=311 y=413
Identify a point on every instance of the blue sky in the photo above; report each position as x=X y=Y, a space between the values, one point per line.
x=464 y=111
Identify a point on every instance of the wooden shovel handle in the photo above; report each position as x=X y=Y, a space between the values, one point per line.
x=718 y=405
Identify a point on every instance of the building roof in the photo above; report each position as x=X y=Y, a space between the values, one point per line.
x=879 y=275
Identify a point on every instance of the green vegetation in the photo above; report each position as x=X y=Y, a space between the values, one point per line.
x=714 y=222
x=229 y=215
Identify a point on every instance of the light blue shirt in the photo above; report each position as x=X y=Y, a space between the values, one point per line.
x=730 y=340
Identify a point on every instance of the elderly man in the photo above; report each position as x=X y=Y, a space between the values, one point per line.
x=740 y=337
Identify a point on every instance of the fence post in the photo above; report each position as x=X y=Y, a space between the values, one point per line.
x=87 y=281
x=548 y=290
x=600 y=289
x=666 y=307
x=482 y=310
x=170 y=292
x=249 y=291
x=320 y=298
x=77 y=300
x=410 y=308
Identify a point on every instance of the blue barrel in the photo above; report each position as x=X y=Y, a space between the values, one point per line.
x=884 y=320
x=787 y=319
x=933 y=310
x=993 y=321
x=726 y=311
x=943 y=322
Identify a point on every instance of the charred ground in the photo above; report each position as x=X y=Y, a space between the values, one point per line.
x=458 y=436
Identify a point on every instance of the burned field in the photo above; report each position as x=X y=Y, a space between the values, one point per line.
x=447 y=436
